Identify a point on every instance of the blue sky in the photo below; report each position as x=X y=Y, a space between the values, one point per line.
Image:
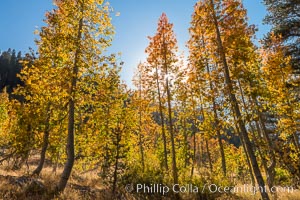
x=138 y=19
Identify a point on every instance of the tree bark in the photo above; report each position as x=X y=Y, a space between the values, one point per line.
x=209 y=157
x=186 y=144
x=194 y=151
x=174 y=167
x=247 y=156
x=116 y=166
x=140 y=128
x=216 y=118
x=39 y=168
x=162 y=122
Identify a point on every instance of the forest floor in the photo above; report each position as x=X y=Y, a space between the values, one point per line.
x=19 y=185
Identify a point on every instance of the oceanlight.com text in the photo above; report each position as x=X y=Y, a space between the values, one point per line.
x=206 y=188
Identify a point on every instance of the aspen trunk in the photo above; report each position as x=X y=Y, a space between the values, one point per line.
x=186 y=144
x=174 y=167
x=116 y=166
x=216 y=118
x=39 y=168
x=247 y=156
x=209 y=157
x=236 y=109
x=262 y=132
x=140 y=129
x=71 y=115
x=194 y=153
x=162 y=122
x=255 y=139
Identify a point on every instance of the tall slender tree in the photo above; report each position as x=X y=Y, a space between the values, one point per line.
x=162 y=58
x=70 y=48
x=222 y=20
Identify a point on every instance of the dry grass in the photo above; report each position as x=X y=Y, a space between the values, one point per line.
x=82 y=186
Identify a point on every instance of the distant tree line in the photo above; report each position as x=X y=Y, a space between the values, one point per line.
x=9 y=68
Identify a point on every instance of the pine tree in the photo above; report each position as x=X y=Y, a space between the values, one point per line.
x=283 y=16
x=280 y=101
